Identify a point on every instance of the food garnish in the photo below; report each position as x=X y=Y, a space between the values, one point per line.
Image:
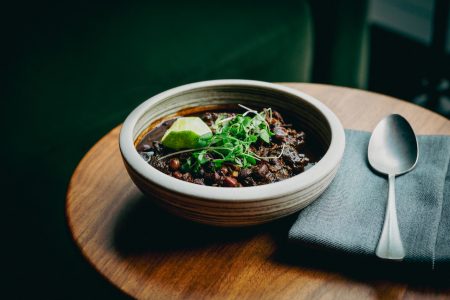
x=185 y=133
x=230 y=141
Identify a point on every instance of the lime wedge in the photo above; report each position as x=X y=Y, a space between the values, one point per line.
x=184 y=133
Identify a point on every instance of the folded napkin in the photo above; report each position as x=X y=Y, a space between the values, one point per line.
x=349 y=215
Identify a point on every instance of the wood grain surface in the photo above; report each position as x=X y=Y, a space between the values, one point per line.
x=149 y=254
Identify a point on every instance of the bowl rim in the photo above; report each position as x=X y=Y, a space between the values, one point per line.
x=274 y=190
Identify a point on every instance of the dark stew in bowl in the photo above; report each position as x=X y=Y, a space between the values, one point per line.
x=244 y=148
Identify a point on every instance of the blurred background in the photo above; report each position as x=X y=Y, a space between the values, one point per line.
x=73 y=70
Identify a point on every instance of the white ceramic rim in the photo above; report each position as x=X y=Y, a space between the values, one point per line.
x=288 y=186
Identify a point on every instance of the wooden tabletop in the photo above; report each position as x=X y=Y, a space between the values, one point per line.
x=150 y=254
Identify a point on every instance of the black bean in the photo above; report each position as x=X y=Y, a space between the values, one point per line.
x=209 y=177
x=298 y=169
x=216 y=177
x=212 y=177
x=280 y=133
x=275 y=161
x=187 y=177
x=249 y=181
x=199 y=181
x=177 y=175
x=263 y=171
x=244 y=173
x=174 y=164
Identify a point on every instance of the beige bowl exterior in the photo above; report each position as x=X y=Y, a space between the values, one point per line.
x=234 y=206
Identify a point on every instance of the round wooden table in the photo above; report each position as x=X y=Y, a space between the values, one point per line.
x=149 y=254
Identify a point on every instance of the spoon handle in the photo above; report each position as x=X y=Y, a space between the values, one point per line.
x=390 y=244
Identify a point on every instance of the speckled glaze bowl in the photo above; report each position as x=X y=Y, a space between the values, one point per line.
x=234 y=206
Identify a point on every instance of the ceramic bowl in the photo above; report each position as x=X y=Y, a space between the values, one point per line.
x=234 y=206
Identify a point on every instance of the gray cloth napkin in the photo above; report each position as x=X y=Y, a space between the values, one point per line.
x=349 y=215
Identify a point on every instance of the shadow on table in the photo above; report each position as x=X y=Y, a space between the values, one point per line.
x=364 y=269
x=143 y=227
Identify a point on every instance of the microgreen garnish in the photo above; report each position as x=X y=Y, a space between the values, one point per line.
x=231 y=141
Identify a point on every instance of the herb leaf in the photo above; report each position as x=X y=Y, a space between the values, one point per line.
x=264 y=135
x=231 y=141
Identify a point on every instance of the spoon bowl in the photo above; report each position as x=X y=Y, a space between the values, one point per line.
x=393 y=150
x=393 y=146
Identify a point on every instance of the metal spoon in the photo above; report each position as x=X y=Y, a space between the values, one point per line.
x=393 y=150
